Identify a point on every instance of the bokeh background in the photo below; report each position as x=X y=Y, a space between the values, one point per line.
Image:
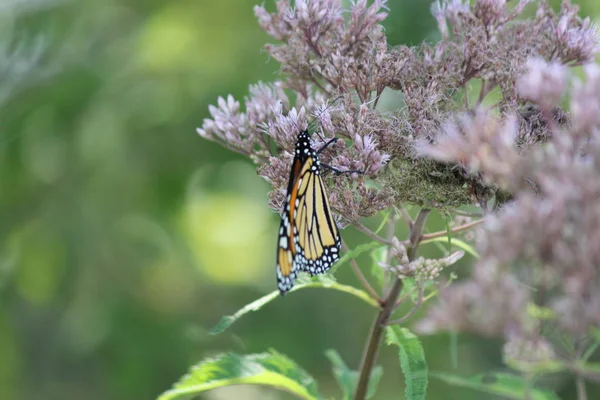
x=124 y=236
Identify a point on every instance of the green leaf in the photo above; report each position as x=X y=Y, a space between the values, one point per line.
x=324 y=282
x=353 y=253
x=348 y=379
x=589 y=369
x=345 y=378
x=384 y=220
x=412 y=361
x=376 y=375
x=501 y=384
x=228 y=320
x=329 y=282
x=378 y=255
x=443 y=249
x=590 y=350
x=411 y=287
x=267 y=369
x=456 y=243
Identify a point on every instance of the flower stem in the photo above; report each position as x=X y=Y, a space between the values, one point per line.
x=388 y=306
x=361 y=277
x=581 y=391
x=372 y=234
x=461 y=228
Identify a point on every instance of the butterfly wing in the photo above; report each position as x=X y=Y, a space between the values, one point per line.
x=317 y=239
x=308 y=236
x=287 y=269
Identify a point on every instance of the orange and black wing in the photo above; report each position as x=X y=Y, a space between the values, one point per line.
x=308 y=236
x=316 y=234
x=287 y=269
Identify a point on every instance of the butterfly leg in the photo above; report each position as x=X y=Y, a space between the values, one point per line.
x=339 y=172
x=332 y=140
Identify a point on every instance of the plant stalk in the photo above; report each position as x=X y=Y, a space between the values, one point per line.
x=389 y=304
x=581 y=391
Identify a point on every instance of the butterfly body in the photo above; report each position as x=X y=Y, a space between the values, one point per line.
x=309 y=239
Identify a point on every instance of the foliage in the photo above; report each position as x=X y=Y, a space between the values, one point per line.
x=505 y=385
x=316 y=282
x=412 y=360
x=439 y=151
x=348 y=379
x=270 y=369
x=124 y=238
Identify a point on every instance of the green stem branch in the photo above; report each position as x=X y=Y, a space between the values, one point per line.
x=581 y=391
x=388 y=306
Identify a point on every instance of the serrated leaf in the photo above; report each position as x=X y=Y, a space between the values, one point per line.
x=412 y=361
x=502 y=384
x=267 y=369
x=347 y=379
x=323 y=282
x=456 y=243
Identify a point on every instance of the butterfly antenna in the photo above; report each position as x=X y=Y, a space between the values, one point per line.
x=286 y=113
x=322 y=111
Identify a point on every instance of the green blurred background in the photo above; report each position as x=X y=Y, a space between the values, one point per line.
x=124 y=236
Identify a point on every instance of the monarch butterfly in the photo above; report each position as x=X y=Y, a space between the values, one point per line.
x=309 y=239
